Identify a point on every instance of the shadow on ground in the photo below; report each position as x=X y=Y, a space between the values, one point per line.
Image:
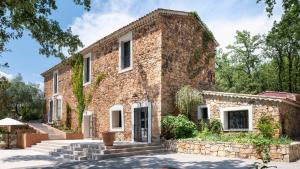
x=153 y=162
x=28 y=158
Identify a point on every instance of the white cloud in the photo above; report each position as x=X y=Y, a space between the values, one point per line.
x=104 y=19
x=225 y=30
x=8 y=76
x=93 y=26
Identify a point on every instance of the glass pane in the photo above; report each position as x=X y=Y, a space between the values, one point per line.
x=238 y=119
x=126 y=55
x=87 y=69
x=116 y=119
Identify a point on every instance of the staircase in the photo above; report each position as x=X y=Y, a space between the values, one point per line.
x=53 y=133
x=94 y=150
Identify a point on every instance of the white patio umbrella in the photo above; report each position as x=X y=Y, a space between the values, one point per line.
x=8 y=122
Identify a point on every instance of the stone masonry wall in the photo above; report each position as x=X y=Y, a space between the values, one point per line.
x=142 y=83
x=181 y=37
x=259 y=107
x=280 y=153
x=290 y=120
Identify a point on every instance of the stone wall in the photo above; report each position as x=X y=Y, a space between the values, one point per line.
x=289 y=120
x=281 y=153
x=181 y=37
x=162 y=45
x=259 y=107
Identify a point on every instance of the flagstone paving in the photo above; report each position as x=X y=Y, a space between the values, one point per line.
x=19 y=158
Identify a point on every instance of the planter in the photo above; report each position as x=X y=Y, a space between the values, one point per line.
x=73 y=136
x=108 y=138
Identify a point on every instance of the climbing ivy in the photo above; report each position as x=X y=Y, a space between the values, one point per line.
x=194 y=67
x=100 y=76
x=77 y=85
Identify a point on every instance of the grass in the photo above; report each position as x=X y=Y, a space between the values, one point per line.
x=244 y=138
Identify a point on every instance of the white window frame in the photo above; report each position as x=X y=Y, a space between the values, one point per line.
x=89 y=55
x=199 y=113
x=61 y=108
x=125 y=38
x=224 y=118
x=139 y=105
x=53 y=76
x=117 y=107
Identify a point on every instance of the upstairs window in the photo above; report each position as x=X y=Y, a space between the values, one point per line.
x=125 y=55
x=55 y=82
x=87 y=69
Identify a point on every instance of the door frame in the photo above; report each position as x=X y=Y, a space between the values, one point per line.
x=87 y=113
x=139 y=105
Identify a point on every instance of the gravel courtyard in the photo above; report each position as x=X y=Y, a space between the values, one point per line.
x=32 y=159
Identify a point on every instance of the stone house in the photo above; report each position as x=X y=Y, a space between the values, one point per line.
x=241 y=112
x=145 y=63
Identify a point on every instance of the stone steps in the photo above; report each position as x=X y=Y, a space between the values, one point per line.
x=131 y=149
x=125 y=154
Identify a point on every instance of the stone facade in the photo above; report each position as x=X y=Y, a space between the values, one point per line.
x=161 y=44
x=286 y=114
x=280 y=153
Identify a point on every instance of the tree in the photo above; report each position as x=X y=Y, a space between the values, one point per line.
x=25 y=100
x=4 y=98
x=187 y=98
x=33 y=16
x=245 y=61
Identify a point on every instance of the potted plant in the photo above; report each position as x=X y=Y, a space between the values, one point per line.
x=108 y=138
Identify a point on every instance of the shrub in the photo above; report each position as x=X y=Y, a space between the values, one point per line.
x=176 y=127
x=216 y=126
x=267 y=126
x=187 y=98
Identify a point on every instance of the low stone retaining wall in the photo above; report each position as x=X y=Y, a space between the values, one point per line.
x=281 y=153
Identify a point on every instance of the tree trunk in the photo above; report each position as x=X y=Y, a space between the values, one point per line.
x=290 y=70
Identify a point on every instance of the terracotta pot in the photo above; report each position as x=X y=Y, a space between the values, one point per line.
x=108 y=138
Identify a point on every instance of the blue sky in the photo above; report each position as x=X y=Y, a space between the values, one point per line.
x=222 y=17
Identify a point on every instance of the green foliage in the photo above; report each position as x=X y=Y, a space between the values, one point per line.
x=267 y=126
x=209 y=126
x=19 y=99
x=176 y=127
x=19 y=17
x=216 y=126
x=77 y=85
x=99 y=78
x=69 y=116
x=187 y=98
x=194 y=66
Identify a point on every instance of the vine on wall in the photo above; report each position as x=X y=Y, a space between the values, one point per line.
x=100 y=76
x=194 y=68
x=77 y=85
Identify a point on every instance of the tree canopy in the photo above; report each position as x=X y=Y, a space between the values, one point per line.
x=18 y=99
x=33 y=16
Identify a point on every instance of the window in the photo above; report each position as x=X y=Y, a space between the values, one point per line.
x=125 y=52
x=116 y=118
x=237 y=118
x=58 y=108
x=203 y=112
x=55 y=82
x=87 y=69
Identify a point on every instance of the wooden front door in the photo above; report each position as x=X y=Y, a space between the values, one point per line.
x=141 y=116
